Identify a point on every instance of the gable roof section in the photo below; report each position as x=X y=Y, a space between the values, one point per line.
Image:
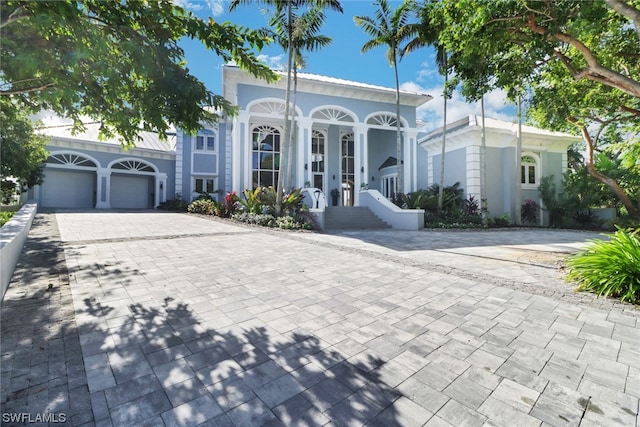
x=313 y=83
x=474 y=122
x=149 y=141
x=391 y=161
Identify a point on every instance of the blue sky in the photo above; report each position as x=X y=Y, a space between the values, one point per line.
x=342 y=59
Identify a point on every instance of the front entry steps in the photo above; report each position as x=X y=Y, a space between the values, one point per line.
x=352 y=218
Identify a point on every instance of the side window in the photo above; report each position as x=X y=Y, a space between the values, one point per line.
x=203 y=185
x=205 y=143
x=529 y=170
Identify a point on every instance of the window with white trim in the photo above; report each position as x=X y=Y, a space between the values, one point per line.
x=529 y=171
x=206 y=143
x=265 y=150
x=202 y=185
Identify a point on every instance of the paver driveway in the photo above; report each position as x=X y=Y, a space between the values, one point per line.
x=169 y=319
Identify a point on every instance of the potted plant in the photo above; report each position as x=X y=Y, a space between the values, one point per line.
x=335 y=193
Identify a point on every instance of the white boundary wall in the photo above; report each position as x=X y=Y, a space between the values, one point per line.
x=12 y=238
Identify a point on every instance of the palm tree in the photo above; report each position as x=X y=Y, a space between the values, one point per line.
x=391 y=29
x=427 y=35
x=287 y=7
x=305 y=37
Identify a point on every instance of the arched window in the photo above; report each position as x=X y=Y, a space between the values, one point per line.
x=71 y=161
x=265 y=147
x=529 y=170
x=133 y=166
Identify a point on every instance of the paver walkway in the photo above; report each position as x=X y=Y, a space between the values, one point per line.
x=167 y=319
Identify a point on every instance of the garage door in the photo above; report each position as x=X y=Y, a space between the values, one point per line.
x=131 y=191
x=68 y=189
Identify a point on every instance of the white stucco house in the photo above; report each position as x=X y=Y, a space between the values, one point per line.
x=345 y=139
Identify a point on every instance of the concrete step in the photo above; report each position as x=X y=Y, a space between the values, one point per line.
x=356 y=218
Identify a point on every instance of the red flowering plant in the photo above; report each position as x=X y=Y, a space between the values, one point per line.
x=230 y=203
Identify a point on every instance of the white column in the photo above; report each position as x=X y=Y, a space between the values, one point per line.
x=410 y=152
x=360 y=160
x=179 y=164
x=161 y=189
x=305 y=135
x=474 y=181
x=103 y=190
x=241 y=123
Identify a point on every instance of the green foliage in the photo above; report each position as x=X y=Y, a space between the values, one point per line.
x=529 y=212
x=456 y=210
x=22 y=153
x=501 y=221
x=267 y=220
x=203 y=207
x=293 y=202
x=177 y=205
x=229 y=204
x=252 y=201
x=577 y=60
x=609 y=268
x=119 y=63
x=264 y=220
x=5 y=216
x=572 y=207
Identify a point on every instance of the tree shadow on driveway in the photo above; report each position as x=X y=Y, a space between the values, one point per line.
x=159 y=364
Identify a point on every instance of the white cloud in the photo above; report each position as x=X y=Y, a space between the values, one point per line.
x=215 y=7
x=495 y=104
x=274 y=62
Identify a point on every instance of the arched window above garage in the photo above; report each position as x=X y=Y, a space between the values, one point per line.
x=71 y=160
x=133 y=166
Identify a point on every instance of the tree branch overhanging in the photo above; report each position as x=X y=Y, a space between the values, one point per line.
x=27 y=90
x=633 y=211
x=627 y=10
x=594 y=70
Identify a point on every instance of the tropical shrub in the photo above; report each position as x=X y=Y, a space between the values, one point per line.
x=252 y=201
x=293 y=202
x=529 y=212
x=230 y=203
x=174 y=205
x=5 y=216
x=609 y=267
x=571 y=208
x=499 y=221
x=289 y=223
x=456 y=212
x=265 y=220
x=202 y=206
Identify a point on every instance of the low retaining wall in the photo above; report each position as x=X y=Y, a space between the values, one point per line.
x=397 y=218
x=12 y=238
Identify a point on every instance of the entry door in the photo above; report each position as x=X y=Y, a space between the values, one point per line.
x=347 y=154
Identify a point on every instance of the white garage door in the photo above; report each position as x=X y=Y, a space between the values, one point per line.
x=131 y=191
x=68 y=189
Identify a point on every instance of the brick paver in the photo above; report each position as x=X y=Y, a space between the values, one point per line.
x=168 y=319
